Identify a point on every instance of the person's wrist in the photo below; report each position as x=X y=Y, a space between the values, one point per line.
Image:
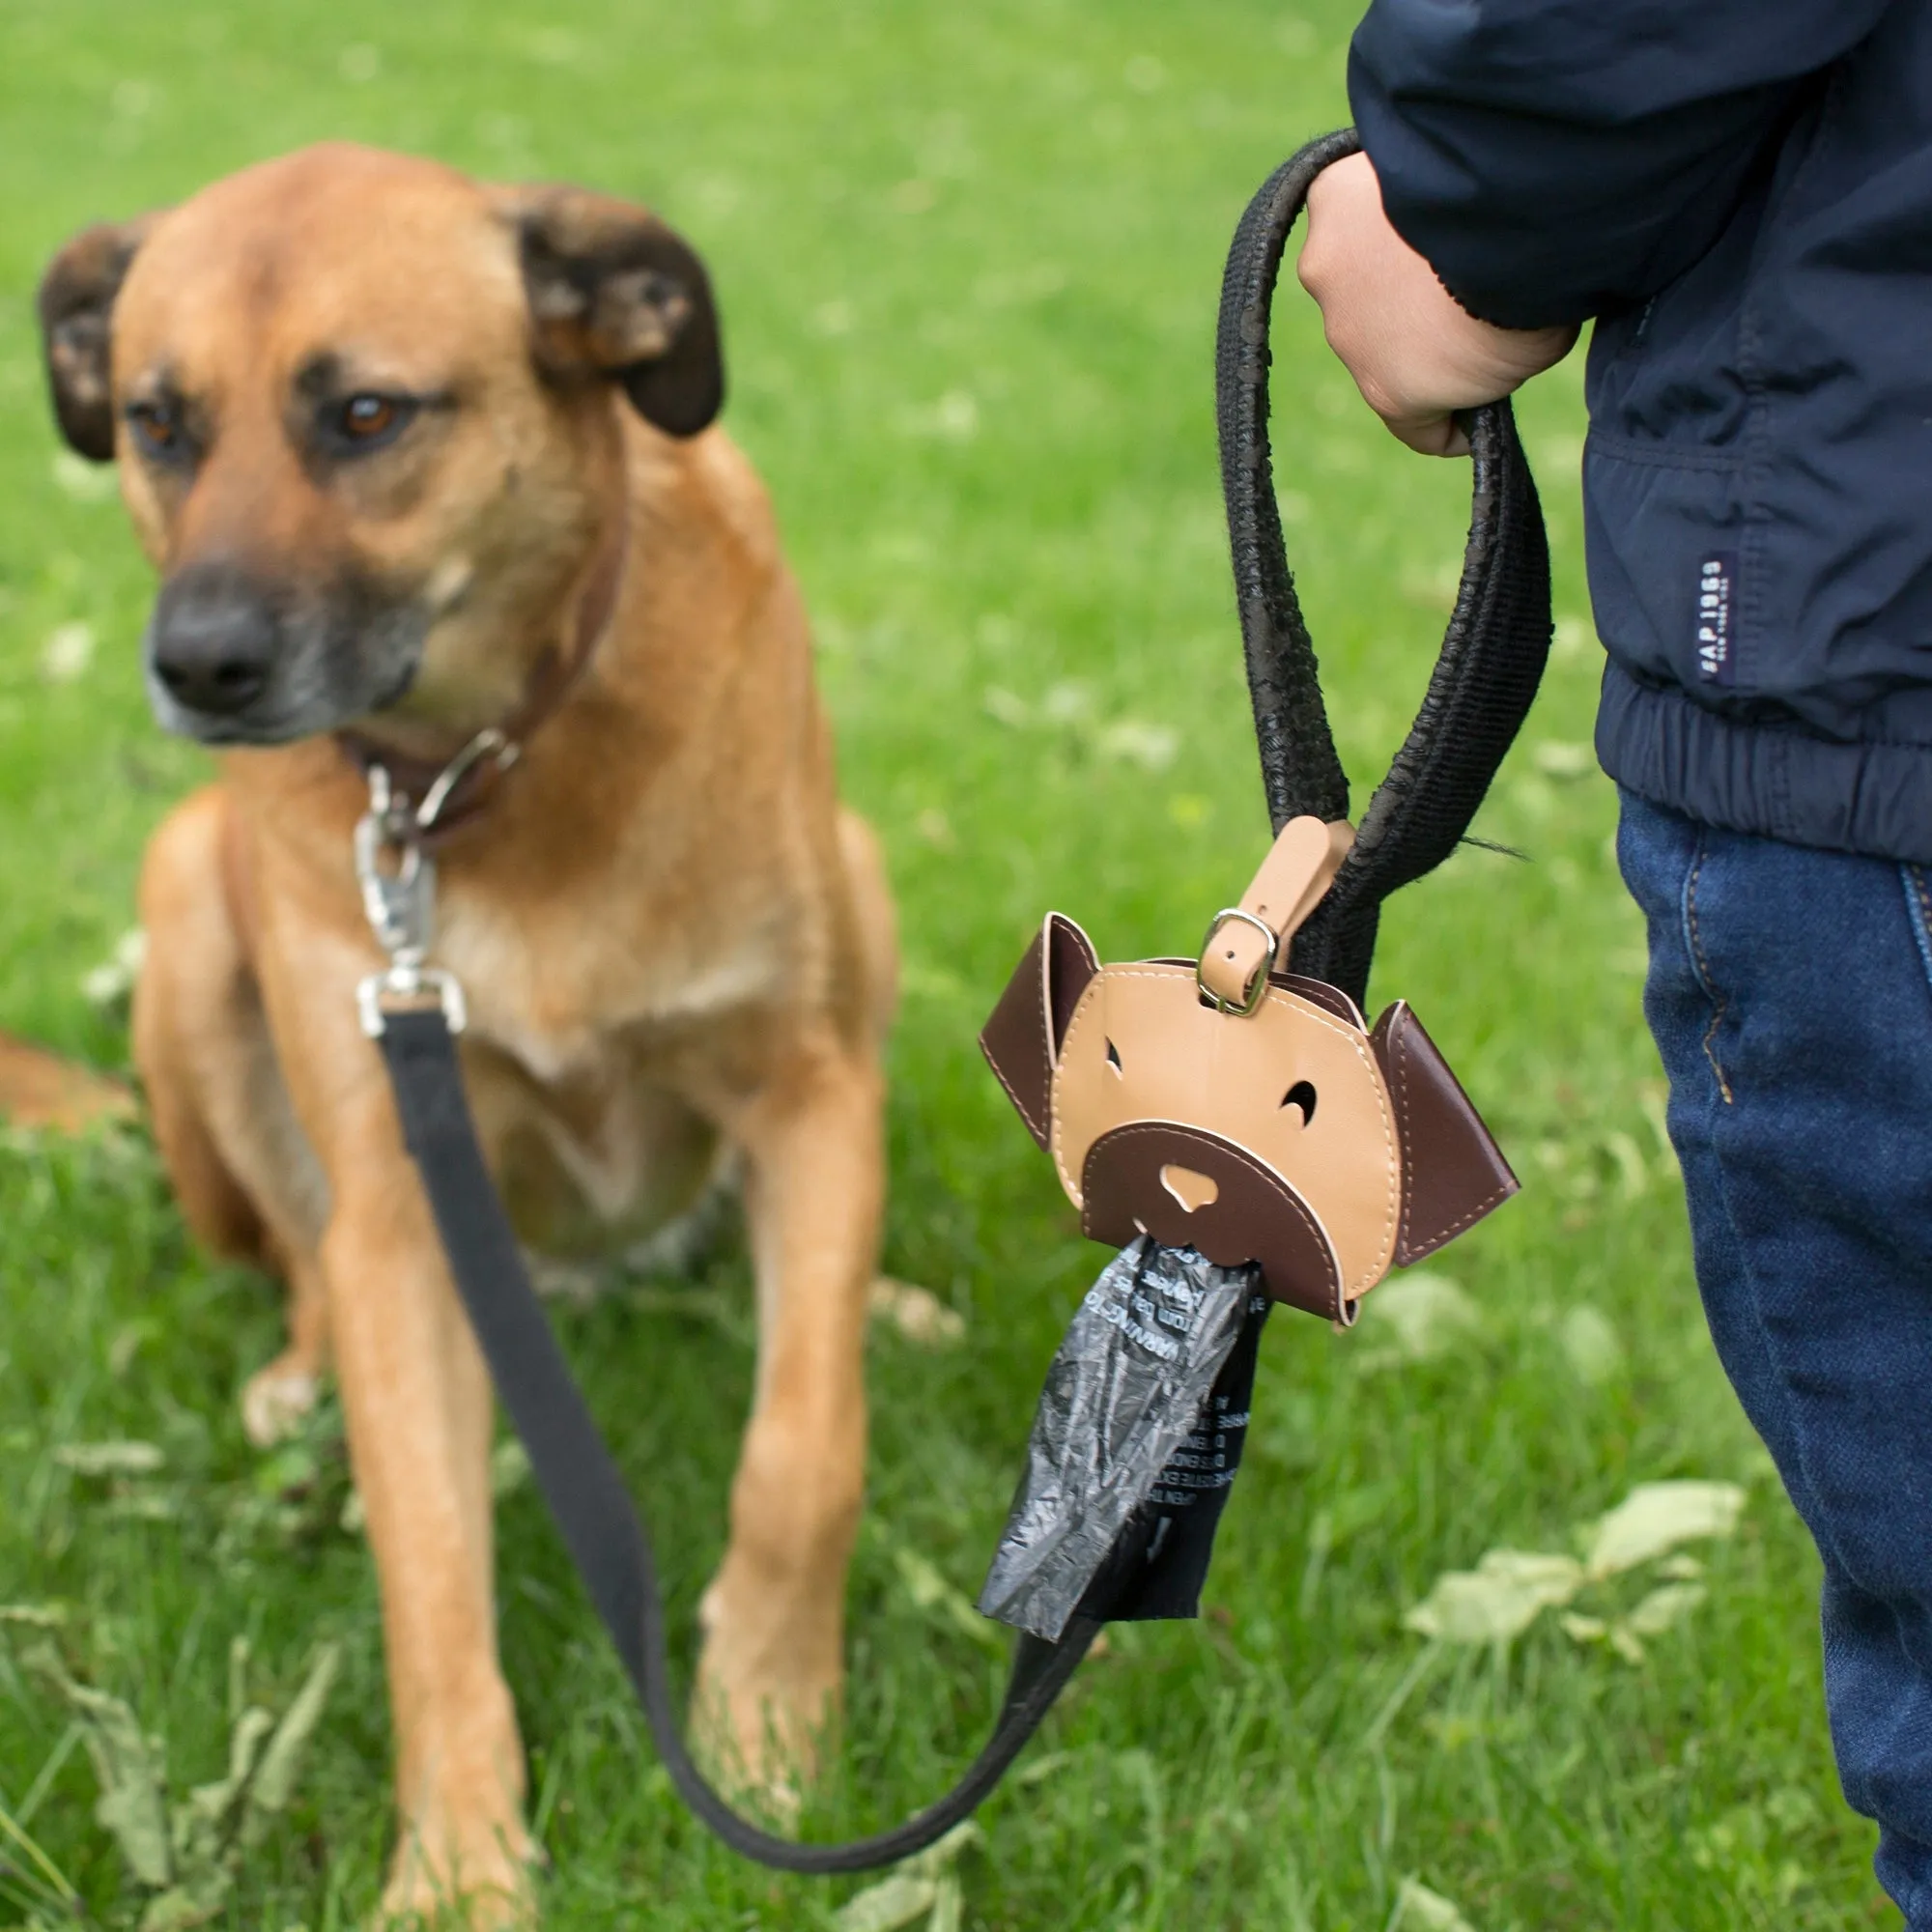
x=1416 y=351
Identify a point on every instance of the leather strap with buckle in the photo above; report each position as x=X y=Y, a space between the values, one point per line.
x=1245 y=942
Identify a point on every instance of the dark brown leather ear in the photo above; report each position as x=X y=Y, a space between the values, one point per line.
x=1021 y=1041
x=614 y=292
x=1453 y=1173
x=76 y=310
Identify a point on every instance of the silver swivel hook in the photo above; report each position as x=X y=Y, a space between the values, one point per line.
x=397 y=878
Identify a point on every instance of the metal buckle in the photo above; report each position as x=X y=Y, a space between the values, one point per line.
x=406 y=990
x=1258 y=992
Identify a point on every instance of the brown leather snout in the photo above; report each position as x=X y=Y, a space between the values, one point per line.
x=1127 y=1190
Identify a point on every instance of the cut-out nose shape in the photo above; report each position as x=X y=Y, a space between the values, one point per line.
x=1194 y=1191
x=214 y=640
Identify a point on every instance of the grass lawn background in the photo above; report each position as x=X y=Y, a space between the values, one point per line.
x=969 y=263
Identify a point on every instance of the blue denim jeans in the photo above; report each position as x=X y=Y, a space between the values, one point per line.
x=1790 y=992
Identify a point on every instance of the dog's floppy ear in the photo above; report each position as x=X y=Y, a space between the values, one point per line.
x=1021 y=1042
x=612 y=291
x=76 y=309
x=1453 y=1173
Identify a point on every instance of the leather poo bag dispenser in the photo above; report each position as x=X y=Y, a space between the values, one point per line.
x=1245 y=1113
x=1228 y=1115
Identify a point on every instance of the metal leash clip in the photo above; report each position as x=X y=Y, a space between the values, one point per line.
x=400 y=906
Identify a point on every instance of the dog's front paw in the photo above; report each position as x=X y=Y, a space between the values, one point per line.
x=767 y=1702
x=482 y=1883
x=277 y=1400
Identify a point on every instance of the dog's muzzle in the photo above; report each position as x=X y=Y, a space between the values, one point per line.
x=234 y=658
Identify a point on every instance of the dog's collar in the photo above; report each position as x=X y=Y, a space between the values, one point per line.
x=448 y=795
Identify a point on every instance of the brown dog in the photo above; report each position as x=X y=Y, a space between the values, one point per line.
x=417 y=458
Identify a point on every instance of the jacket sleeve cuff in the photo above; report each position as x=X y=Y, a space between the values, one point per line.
x=1532 y=221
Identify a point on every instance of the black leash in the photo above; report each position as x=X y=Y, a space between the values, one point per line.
x=586 y=1495
x=1492 y=652
x=1491 y=660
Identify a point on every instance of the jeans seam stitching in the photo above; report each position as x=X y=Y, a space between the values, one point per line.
x=1747 y=1267
x=1921 y=915
x=1719 y=1005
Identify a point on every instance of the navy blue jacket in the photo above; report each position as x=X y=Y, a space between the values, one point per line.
x=1740 y=192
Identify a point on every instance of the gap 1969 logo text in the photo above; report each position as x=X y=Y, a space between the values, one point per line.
x=1716 y=576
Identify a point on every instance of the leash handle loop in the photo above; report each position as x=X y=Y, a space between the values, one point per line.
x=1492 y=652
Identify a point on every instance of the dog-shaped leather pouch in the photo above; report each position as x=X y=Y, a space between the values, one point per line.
x=1223 y=1105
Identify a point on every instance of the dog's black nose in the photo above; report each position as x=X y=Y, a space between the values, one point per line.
x=214 y=639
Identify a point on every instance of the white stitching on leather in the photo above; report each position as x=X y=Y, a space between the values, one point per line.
x=1020 y=1106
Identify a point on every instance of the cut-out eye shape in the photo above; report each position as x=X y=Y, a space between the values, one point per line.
x=1302 y=1095
x=158 y=431
x=368 y=421
x=1114 y=1057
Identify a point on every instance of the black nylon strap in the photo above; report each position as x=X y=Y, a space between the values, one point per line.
x=1492 y=652
x=586 y=1497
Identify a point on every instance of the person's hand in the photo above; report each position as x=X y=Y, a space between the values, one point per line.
x=1415 y=354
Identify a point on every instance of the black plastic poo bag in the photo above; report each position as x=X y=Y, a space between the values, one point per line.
x=1137 y=1437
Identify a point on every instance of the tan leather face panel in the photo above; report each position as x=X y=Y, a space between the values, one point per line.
x=1289 y=1136
x=1143 y=1047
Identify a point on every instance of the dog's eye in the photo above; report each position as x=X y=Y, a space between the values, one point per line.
x=1301 y=1095
x=158 y=431
x=367 y=415
x=367 y=421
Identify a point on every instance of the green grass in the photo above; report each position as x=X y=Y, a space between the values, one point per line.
x=969 y=261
